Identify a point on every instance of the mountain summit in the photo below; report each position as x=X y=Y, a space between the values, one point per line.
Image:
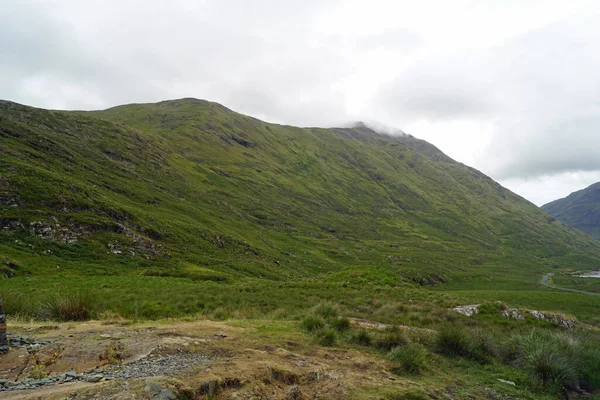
x=580 y=210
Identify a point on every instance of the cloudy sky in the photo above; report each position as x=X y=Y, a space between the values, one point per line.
x=511 y=87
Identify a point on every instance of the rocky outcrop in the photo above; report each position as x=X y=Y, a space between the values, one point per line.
x=558 y=319
x=68 y=232
x=468 y=310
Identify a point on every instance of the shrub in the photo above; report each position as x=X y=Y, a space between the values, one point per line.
x=327 y=337
x=591 y=370
x=38 y=372
x=453 y=341
x=78 y=306
x=411 y=358
x=392 y=337
x=18 y=304
x=114 y=353
x=482 y=347
x=552 y=368
x=340 y=324
x=362 y=337
x=326 y=310
x=555 y=360
x=312 y=323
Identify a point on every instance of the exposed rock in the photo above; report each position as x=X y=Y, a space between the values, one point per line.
x=94 y=378
x=21 y=342
x=507 y=382
x=521 y=313
x=468 y=310
x=152 y=365
x=165 y=394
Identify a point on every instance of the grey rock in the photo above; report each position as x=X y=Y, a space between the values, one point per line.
x=71 y=374
x=165 y=394
x=507 y=382
x=94 y=378
x=153 y=388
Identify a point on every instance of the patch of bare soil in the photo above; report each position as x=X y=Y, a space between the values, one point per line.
x=196 y=360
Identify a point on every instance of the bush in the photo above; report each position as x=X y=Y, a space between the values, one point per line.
x=18 y=304
x=312 y=323
x=78 y=306
x=556 y=360
x=392 y=337
x=340 y=324
x=552 y=368
x=482 y=347
x=411 y=358
x=362 y=337
x=591 y=370
x=327 y=337
x=453 y=341
x=326 y=310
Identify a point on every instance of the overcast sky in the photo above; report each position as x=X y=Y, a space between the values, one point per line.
x=511 y=87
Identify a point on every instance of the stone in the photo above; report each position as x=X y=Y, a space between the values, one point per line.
x=468 y=310
x=507 y=382
x=71 y=374
x=153 y=388
x=94 y=378
x=165 y=394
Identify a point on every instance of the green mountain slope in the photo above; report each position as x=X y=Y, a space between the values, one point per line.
x=580 y=210
x=188 y=185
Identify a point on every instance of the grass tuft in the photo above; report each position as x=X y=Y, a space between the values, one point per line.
x=327 y=337
x=340 y=324
x=411 y=357
x=326 y=310
x=312 y=323
x=77 y=306
x=362 y=337
x=453 y=341
x=391 y=338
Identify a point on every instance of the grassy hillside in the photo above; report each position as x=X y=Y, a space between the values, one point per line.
x=189 y=189
x=580 y=210
x=187 y=209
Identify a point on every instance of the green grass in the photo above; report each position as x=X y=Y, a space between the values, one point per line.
x=411 y=357
x=185 y=208
x=573 y=282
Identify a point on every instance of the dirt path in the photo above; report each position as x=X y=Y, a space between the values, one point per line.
x=544 y=282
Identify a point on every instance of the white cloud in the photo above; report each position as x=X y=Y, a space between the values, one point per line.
x=506 y=86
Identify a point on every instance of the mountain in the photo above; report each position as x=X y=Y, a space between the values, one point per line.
x=190 y=187
x=580 y=210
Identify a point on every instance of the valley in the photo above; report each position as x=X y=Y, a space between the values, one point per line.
x=179 y=220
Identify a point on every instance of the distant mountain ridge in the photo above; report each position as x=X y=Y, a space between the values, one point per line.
x=580 y=210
